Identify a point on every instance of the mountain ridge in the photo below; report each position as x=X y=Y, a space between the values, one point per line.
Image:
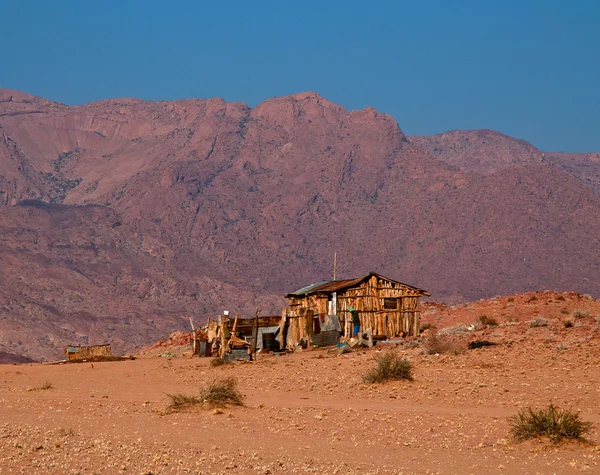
x=257 y=200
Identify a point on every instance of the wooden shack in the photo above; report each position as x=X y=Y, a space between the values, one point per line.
x=387 y=307
x=73 y=352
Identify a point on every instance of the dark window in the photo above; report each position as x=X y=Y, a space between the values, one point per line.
x=390 y=304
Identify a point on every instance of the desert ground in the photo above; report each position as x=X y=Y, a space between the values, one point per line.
x=310 y=411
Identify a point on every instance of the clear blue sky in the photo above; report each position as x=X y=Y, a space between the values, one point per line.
x=528 y=68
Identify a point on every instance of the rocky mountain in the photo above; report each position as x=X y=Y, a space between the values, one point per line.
x=487 y=151
x=121 y=218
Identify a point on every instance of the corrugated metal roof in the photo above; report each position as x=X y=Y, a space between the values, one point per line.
x=330 y=286
x=307 y=290
x=335 y=285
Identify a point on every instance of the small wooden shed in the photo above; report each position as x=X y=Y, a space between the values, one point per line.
x=385 y=306
x=73 y=352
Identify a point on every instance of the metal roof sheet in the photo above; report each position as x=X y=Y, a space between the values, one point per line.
x=330 y=286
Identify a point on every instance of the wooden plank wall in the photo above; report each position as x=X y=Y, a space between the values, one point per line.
x=368 y=299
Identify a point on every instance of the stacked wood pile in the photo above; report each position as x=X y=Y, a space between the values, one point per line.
x=385 y=306
x=87 y=352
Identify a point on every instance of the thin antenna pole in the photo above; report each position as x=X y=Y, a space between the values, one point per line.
x=334 y=265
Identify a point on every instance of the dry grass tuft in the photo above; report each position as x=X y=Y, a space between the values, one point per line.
x=182 y=401
x=219 y=393
x=219 y=362
x=489 y=321
x=436 y=344
x=222 y=392
x=580 y=314
x=427 y=326
x=538 y=322
x=390 y=367
x=554 y=423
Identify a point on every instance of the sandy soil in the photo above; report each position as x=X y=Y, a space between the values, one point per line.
x=310 y=411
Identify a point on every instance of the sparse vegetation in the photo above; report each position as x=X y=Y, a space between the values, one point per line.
x=182 y=401
x=554 y=423
x=568 y=323
x=219 y=362
x=580 y=314
x=219 y=393
x=511 y=299
x=222 y=392
x=427 y=326
x=560 y=297
x=538 y=322
x=389 y=367
x=436 y=344
x=489 y=321
x=564 y=311
x=46 y=385
x=533 y=298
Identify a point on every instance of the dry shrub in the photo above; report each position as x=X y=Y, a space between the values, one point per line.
x=436 y=344
x=554 y=423
x=457 y=330
x=427 y=326
x=182 y=401
x=390 y=367
x=222 y=392
x=568 y=323
x=219 y=393
x=489 y=321
x=560 y=297
x=219 y=362
x=538 y=322
x=580 y=314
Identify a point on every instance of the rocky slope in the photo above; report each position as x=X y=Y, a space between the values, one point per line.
x=487 y=152
x=243 y=204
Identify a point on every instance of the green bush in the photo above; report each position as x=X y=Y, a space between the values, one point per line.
x=554 y=423
x=389 y=367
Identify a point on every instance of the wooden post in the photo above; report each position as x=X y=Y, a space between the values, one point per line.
x=334 y=265
x=255 y=332
x=193 y=337
x=223 y=330
x=282 y=336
